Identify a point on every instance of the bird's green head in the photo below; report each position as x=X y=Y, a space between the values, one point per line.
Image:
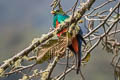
x=60 y=11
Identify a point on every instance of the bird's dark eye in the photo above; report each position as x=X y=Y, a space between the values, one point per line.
x=57 y=10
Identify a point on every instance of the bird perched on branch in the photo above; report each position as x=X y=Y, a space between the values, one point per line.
x=75 y=46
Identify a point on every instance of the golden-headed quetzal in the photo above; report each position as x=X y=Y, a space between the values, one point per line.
x=75 y=47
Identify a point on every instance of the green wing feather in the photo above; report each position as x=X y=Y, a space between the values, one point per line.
x=60 y=18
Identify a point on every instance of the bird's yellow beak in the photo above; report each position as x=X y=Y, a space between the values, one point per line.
x=52 y=12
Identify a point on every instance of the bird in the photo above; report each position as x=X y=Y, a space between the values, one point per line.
x=59 y=16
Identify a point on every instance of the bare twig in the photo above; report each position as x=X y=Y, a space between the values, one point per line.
x=20 y=69
x=63 y=74
x=98 y=41
x=83 y=78
x=103 y=4
x=46 y=75
x=100 y=25
x=75 y=5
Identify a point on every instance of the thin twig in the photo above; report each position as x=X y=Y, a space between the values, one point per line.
x=98 y=41
x=21 y=69
x=63 y=74
x=100 y=6
x=99 y=26
x=67 y=56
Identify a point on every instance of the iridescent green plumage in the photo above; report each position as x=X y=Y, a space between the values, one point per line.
x=75 y=47
x=59 y=16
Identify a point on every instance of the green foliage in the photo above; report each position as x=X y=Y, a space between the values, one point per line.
x=2 y=72
x=17 y=63
x=86 y=59
x=25 y=77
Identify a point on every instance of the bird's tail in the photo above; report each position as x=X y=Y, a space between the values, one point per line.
x=79 y=53
x=78 y=63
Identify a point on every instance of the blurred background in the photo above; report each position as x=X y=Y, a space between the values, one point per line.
x=23 y=20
